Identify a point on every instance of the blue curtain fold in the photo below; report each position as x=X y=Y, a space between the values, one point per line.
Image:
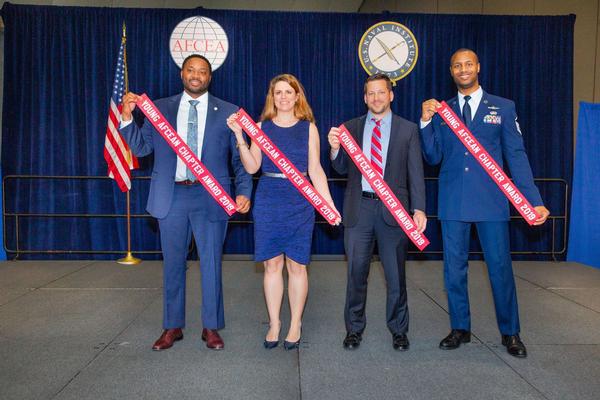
x=584 y=231
x=59 y=65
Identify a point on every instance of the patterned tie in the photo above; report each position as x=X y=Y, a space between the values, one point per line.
x=467 y=111
x=192 y=134
x=376 y=151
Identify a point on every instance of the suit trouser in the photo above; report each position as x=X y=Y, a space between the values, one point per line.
x=186 y=215
x=494 y=239
x=359 y=242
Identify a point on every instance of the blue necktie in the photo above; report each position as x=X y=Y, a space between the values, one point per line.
x=467 y=111
x=192 y=134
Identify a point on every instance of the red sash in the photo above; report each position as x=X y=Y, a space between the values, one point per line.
x=382 y=189
x=183 y=151
x=489 y=165
x=285 y=165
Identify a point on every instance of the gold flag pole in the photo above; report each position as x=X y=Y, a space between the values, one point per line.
x=129 y=259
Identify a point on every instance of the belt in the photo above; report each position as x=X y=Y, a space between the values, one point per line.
x=278 y=175
x=370 y=195
x=187 y=182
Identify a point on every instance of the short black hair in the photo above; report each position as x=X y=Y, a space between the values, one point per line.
x=379 y=77
x=463 y=50
x=200 y=56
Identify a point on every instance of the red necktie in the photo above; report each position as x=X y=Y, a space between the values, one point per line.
x=376 y=152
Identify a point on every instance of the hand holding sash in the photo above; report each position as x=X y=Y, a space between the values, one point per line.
x=428 y=109
x=543 y=212
x=129 y=102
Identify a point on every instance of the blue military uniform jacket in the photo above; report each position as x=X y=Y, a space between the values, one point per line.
x=466 y=192
x=219 y=143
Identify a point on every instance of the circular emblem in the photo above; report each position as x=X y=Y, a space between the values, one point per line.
x=389 y=48
x=199 y=35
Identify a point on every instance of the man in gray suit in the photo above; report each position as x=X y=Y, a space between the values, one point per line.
x=392 y=144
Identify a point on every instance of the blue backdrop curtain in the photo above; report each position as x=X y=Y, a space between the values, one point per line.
x=59 y=65
x=2 y=252
x=584 y=231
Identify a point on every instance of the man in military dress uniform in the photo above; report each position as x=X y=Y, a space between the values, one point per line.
x=468 y=196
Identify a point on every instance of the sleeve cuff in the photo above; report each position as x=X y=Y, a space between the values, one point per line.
x=423 y=124
x=333 y=154
x=124 y=124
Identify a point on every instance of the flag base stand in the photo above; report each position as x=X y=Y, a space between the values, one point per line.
x=129 y=259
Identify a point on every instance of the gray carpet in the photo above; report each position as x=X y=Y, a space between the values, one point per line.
x=83 y=330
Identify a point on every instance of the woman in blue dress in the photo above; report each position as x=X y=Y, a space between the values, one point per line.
x=283 y=218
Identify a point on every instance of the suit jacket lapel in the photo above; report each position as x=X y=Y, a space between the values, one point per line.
x=361 y=130
x=455 y=106
x=172 y=109
x=394 y=137
x=211 y=116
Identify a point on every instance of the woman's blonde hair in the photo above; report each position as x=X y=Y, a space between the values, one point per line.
x=302 y=109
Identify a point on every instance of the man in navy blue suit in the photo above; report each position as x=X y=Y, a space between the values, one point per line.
x=467 y=195
x=181 y=204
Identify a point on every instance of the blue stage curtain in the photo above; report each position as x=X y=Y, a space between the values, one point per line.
x=584 y=231
x=2 y=252
x=59 y=65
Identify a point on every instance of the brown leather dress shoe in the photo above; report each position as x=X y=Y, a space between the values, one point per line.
x=168 y=337
x=212 y=339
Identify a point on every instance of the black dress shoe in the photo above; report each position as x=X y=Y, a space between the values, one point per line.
x=455 y=338
x=400 y=342
x=352 y=340
x=514 y=346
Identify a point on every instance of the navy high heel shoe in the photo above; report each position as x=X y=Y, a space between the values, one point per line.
x=271 y=345
x=291 y=345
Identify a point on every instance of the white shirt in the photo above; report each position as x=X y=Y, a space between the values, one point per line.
x=182 y=122
x=476 y=97
x=473 y=101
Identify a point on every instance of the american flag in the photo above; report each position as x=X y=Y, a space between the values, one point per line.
x=116 y=151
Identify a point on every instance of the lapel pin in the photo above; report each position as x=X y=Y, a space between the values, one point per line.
x=216 y=108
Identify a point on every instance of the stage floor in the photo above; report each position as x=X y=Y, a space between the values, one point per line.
x=83 y=330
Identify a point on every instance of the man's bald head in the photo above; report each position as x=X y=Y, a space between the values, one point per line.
x=463 y=50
